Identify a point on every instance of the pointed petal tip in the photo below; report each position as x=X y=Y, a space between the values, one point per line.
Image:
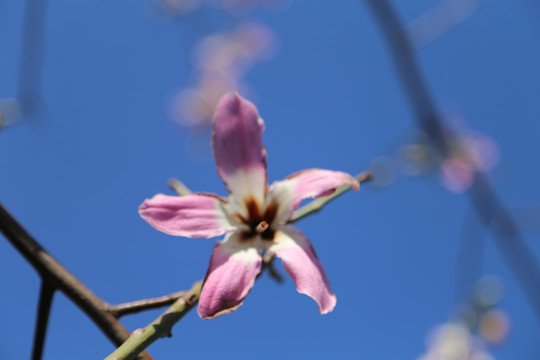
x=329 y=307
x=231 y=102
x=326 y=307
x=301 y=263
x=145 y=204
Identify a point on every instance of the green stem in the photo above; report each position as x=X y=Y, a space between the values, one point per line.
x=161 y=327
x=317 y=204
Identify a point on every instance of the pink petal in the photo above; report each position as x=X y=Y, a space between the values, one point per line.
x=230 y=277
x=301 y=263
x=238 y=146
x=458 y=174
x=310 y=183
x=194 y=215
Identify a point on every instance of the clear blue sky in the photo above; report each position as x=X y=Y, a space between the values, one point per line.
x=76 y=174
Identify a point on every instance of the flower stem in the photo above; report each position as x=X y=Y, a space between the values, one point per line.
x=161 y=327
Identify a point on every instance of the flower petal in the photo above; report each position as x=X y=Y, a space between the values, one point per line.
x=230 y=277
x=238 y=147
x=301 y=263
x=314 y=183
x=194 y=215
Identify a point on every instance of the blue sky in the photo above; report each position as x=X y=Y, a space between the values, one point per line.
x=75 y=174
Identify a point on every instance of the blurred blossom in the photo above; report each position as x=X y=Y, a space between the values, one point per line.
x=238 y=7
x=221 y=60
x=494 y=326
x=466 y=154
x=454 y=341
x=417 y=159
x=195 y=106
x=476 y=324
x=235 y=51
x=9 y=112
x=469 y=153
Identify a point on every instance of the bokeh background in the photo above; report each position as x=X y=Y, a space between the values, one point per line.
x=104 y=101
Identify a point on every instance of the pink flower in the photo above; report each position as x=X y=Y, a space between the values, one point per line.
x=254 y=217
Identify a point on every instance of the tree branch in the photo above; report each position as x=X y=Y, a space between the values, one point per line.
x=60 y=278
x=513 y=248
x=316 y=205
x=44 y=309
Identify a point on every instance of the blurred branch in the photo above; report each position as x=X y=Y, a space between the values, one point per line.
x=58 y=277
x=44 y=309
x=469 y=257
x=316 y=205
x=526 y=218
x=32 y=56
x=161 y=327
x=482 y=196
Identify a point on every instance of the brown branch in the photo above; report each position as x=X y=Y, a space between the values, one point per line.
x=44 y=309
x=513 y=248
x=144 y=304
x=60 y=278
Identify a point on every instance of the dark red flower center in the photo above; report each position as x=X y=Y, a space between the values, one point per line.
x=259 y=222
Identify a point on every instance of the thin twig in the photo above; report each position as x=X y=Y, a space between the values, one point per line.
x=317 y=204
x=144 y=304
x=60 y=278
x=513 y=248
x=179 y=187
x=44 y=309
x=161 y=327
